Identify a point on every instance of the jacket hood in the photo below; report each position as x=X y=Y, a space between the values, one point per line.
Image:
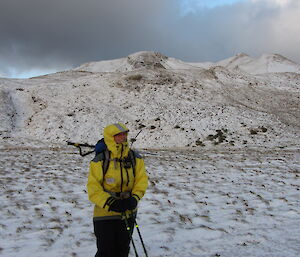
x=117 y=150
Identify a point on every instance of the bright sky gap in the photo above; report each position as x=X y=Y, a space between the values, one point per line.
x=192 y=5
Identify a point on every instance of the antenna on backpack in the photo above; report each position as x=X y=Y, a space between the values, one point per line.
x=132 y=140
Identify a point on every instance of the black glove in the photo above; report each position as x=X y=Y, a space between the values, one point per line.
x=118 y=205
x=130 y=203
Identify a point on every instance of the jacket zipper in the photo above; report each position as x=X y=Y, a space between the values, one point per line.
x=127 y=177
x=121 y=170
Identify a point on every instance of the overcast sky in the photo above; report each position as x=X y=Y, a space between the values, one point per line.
x=43 y=36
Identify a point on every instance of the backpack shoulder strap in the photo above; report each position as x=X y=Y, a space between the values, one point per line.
x=132 y=156
x=106 y=156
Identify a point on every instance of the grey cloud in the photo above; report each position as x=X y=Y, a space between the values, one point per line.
x=65 y=33
x=37 y=33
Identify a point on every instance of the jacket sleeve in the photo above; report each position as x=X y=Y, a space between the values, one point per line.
x=141 y=179
x=96 y=193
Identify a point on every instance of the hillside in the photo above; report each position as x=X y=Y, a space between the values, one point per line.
x=240 y=101
x=232 y=191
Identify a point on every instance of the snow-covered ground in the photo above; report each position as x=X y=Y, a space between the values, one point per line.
x=204 y=203
x=223 y=155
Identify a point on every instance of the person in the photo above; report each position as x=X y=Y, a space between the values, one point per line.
x=115 y=192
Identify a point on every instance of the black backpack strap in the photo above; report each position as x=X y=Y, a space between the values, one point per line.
x=132 y=160
x=106 y=156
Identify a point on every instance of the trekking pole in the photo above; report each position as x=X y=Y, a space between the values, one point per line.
x=130 y=233
x=137 y=227
x=132 y=140
x=140 y=235
x=78 y=145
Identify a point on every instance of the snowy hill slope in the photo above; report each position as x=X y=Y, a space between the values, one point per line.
x=176 y=104
x=267 y=63
x=136 y=61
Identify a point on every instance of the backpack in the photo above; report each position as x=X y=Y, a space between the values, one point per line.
x=102 y=153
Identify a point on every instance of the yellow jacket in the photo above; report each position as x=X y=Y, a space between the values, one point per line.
x=117 y=178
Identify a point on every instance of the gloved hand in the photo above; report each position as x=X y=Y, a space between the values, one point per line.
x=130 y=203
x=118 y=205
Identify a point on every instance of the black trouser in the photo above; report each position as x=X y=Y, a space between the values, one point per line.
x=112 y=238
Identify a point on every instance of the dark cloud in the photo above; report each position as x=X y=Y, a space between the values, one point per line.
x=58 y=34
